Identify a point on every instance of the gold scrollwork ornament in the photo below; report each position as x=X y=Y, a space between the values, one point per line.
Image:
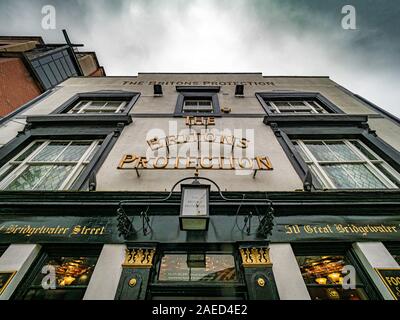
x=255 y=257
x=139 y=258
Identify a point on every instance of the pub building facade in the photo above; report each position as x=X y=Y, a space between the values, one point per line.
x=200 y=186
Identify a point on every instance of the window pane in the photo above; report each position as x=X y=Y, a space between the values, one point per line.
x=74 y=151
x=29 y=178
x=353 y=176
x=297 y=104
x=205 y=103
x=320 y=151
x=29 y=151
x=6 y=173
x=91 y=155
x=198 y=106
x=55 y=178
x=364 y=150
x=342 y=151
x=324 y=278
x=51 y=151
x=108 y=110
x=190 y=103
x=197 y=267
x=337 y=293
x=78 y=106
x=281 y=104
x=114 y=104
x=300 y=151
x=317 y=108
x=316 y=176
x=204 y=108
x=97 y=104
x=388 y=173
x=72 y=278
x=322 y=270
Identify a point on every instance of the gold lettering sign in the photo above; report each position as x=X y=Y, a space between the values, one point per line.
x=133 y=162
x=5 y=279
x=391 y=279
x=341 y=229
x=200 y=121
x=139 y=258
x=74 y=231
x=255 y=257
x=207 y=137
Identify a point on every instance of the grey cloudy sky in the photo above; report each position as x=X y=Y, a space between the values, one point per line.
x=275 y=37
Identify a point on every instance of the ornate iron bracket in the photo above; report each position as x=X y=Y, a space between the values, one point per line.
x=267 y=223
x=146 y=227
x=126 y=228
x=125 y=225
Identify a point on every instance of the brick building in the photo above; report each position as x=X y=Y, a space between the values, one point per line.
x=30 y=67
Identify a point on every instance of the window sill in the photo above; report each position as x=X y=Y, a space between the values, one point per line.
x=75 y=119
x=315 y=119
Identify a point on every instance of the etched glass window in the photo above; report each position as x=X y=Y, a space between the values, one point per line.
x=47 y=165
x=191 y=267
x=347 y=164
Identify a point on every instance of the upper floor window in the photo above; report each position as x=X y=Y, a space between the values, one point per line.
x=198 y=106
x=347 y=164
x=48 y=165
x=197 y=101
x=95 y=107
x=99 y=102
x=295 y=107
x=296 y=103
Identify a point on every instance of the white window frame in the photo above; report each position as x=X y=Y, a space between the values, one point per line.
x=308 y=105
x=192 y=108
x=88 y=103
x=23 y=165
x=317 y=168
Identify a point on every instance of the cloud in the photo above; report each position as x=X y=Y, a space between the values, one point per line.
x=286 y=37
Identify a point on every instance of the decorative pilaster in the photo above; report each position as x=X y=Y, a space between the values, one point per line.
x=259 y=277
x=135 y=273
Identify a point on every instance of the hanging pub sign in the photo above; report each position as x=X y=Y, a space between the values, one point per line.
x=391 y=279
x=5 y=279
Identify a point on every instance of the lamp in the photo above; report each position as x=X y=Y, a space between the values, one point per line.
x=194 y=215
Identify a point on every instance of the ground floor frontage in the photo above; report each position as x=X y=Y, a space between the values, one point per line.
x=112 y=246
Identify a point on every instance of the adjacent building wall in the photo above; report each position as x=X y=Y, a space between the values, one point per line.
x=17 y=86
